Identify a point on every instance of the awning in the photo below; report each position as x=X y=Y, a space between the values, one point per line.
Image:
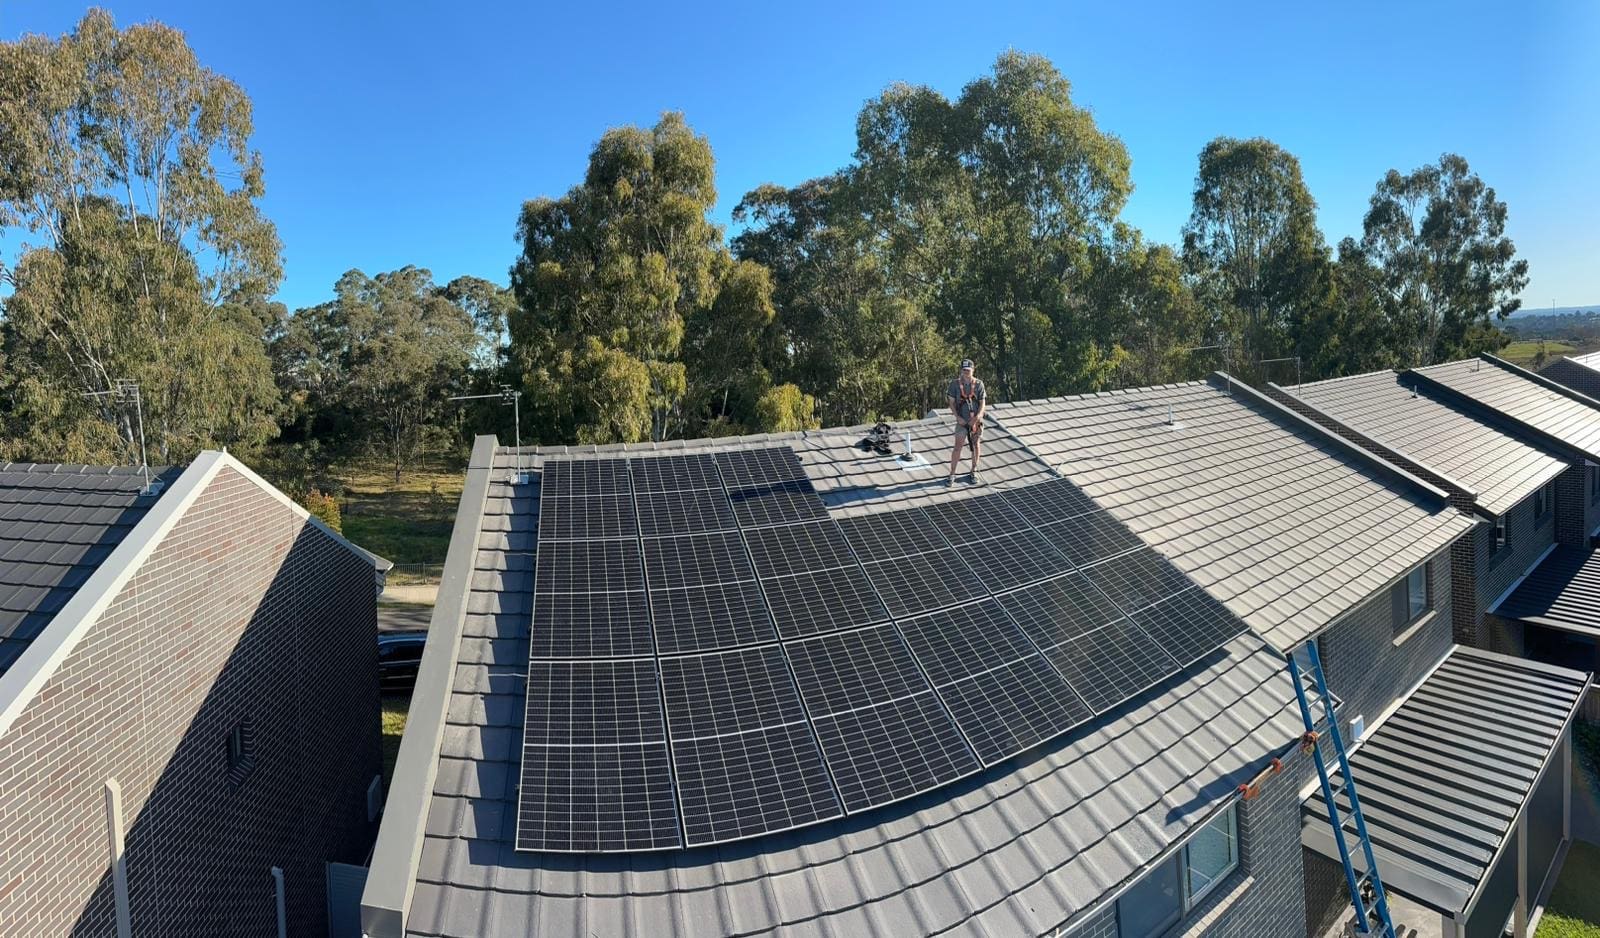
x=1445 y=777
x=1563 y=593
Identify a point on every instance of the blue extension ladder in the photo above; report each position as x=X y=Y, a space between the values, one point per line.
x=1379 y=908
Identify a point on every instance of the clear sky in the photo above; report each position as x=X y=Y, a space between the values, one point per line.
x=404 y=132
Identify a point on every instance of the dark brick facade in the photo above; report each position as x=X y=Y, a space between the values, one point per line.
x=244 y=613
x=1574 y=376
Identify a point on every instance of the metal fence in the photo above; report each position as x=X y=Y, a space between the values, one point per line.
x=415 y=574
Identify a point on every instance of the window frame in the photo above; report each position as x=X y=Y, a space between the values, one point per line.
x=1189 y=900
x=1594 y=482
x=1544 y=502
x=1502 y=533
x=239 y=751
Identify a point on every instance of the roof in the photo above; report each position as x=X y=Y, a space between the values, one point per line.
x=57 y=523
x=1562 y=592
x=1439 y=433
x=1589 y=360
x=1546 y=407
x=1022 y=847
x=1287 y=524
x=1444 y=778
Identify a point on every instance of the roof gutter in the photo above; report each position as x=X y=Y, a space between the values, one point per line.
x=1263 y=402
x=386 y=900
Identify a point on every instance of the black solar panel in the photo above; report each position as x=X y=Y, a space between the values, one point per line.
x=590 y=625
x=971 y=519
x=882 y=727
x=750 y=467
x=745 y=757
x=1111 y=664
x=1190 y=625
x=687 y=512
x=591 y=516
x=1049 y=501
x=826 y=601
x=696 y=559
x=777 y=503
x=1004 y=695
x=1012 y=559
x=702 y=618
x=1091 y=537
x=1134 y=581
x=587 y=567
x=1059 y=609
x=924 y=582
x=675 y=473
x=585 y=477
x=891 y=534
x=796 y=548
x=594 y=762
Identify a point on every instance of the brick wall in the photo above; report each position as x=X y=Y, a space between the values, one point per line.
x=1572 y=507
x=242 y=613
x=1529 y=537
x=1574 y=376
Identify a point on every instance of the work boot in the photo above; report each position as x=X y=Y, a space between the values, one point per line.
x=949 y=480
x=972 y=477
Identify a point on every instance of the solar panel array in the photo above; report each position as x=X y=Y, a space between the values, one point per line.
x=715 y=657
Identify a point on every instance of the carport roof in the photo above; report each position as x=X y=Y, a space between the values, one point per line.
x=1563 y=592
x=1444 y=778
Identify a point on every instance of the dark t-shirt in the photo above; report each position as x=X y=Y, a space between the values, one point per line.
x=966 y=398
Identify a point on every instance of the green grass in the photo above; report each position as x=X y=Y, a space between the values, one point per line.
x=1574 y=909
x=1522 y=352
x=395 y=709
x=407 y=522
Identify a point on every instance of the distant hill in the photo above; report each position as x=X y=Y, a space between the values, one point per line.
x=1555 y=310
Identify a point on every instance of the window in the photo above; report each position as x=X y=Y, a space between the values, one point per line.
x=1500 y=539
x=1176 y=887
x=1594 y=483
x=1543 y=500
x=241 y=751
x=1410 y=598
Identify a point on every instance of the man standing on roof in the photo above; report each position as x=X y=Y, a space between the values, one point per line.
x=967 y=401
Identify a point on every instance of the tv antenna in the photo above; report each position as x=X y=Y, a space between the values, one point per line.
x=126 y=391
x=507 y=395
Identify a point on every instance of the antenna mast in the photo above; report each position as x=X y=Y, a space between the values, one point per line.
x=126 y=391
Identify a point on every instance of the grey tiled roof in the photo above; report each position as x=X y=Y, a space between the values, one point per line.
x=1536 y=402
x=1487 y=455
x=1563 y=592
x=1016 y=850
x=1443 y=778
x=1287 y=526
x=57 y=523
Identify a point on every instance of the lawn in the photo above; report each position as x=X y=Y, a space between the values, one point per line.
x=395 y=709
x=407 y=522
x=1522 y=352
x=1574 y=909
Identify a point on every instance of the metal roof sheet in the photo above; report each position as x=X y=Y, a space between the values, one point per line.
x=57 y=523
x=1286 y=525
x=1536 y=402
x=1439 y=433
x=1444 y=777
x=1019 y=849
x=1563 y=592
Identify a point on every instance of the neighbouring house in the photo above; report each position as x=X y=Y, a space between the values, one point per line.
x=1578 y=372
x=188 y=703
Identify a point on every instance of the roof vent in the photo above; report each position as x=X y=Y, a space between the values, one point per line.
x=1173 y=421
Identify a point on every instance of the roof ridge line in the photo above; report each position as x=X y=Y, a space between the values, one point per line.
x=1542 y=381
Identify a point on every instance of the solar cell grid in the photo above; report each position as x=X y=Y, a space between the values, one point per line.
x=889 y=534
x=1134 y=581
x=797 y=548
x=587 y=567
x=894 y=750
x=702 y=618
x=812 y=603
x=956 y=643
x=675 y=473
x=696 y=559
x=595 y=799
x=1190 y=624
x=1091 y=537
x=729 y=692
x=588 y=516
x=1013 y=559
x=923 y=582
x=777 y=503
x=1005 y=711
x=562 y=477
x=593 y=703
x=688 y=512
x=850 y=670
x=590 y=625
x=1111 y=664
x=752 y=467
x=1051 y=501
x=971 y=519
x=1059 y=609
x=752 y=783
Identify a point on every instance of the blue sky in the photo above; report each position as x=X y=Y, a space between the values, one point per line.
x=409 y=133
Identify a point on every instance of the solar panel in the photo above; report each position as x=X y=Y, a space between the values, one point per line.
x=971 y=519
x=1134 y=581
x=590 y=625
x=746 y=760
x=924 y=582
x=1190 y=624
x=1012 y=559
x=777 y=503
x=675 y=473
x=891 y=534
x=594 y=763
x=882 y=728
x=589 y=516
x=796 y=548
x=1093 y=536
x=562 y=477
x=587 y=567
x=750 y=467
x=824 y=601
x=687 y=512
x=696 y=559
x=1048 y=501
x=1059 y=609
x=703 y=618
x=1002 y=692
x=1111 y=663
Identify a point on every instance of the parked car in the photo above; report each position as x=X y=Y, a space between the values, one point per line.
x=399 y=655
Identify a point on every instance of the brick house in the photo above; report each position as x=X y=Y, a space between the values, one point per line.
x=1130 y=825
x=188 y=703
x=1578 y=372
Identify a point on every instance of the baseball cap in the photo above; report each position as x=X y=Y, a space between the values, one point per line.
x=966 y=364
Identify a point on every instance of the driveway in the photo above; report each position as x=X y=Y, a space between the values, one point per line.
x=402 y=617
